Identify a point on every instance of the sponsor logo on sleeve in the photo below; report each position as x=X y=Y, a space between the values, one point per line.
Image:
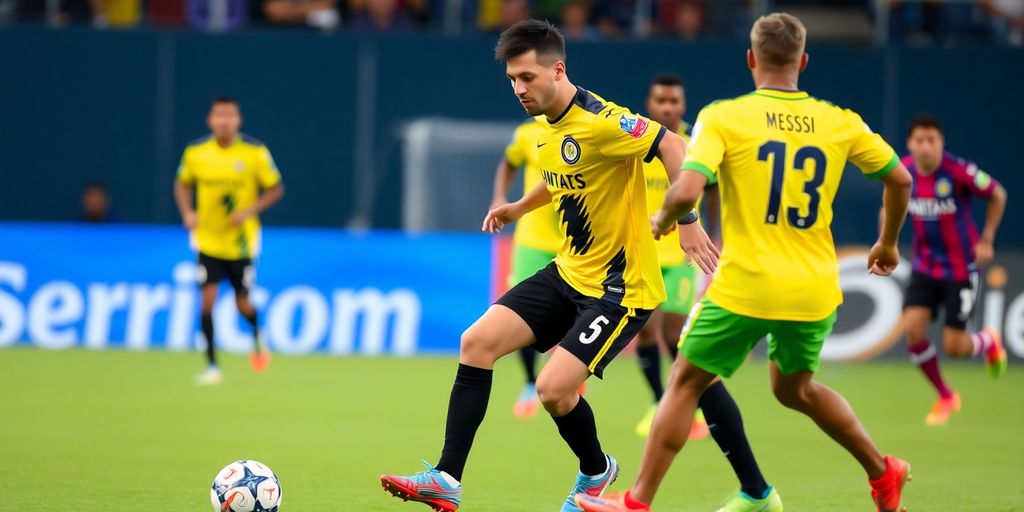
x=634 y=126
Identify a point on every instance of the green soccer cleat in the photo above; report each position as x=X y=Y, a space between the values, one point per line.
x=743 y=503
x=644 y=427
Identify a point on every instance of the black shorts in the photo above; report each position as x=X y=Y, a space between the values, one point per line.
x=594 y=330
x=240 y=273
x=955 y=299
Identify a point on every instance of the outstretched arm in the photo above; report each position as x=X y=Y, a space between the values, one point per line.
x=498 y=217
x=984 y=251
x=884 y=256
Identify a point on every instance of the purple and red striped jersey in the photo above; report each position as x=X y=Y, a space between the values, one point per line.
x=940 y=211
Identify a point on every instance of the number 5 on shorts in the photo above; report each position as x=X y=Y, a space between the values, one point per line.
x=595 y=330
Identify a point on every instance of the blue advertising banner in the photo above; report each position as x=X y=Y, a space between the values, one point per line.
x=317 y=290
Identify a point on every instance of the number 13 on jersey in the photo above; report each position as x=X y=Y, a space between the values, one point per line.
x=776 y=153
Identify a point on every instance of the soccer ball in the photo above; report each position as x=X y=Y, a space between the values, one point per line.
x=246 y=486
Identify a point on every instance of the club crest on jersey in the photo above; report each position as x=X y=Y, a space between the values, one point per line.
x=635 y=126
x=943 y=188
x=239 y=166
x=570 y=150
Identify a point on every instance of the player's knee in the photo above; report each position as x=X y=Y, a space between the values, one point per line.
x=555 y=399
x=793 y=397
x=476 y=348
x=957 y=344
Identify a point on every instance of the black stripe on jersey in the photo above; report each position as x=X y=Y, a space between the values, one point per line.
x=584 y=100
x=577 y=223
x=614 y=283
x=653 y=152
x=587 y=101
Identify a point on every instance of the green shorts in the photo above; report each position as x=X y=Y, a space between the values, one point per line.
x=718 y=340
x=680 y=287
x=527 y=261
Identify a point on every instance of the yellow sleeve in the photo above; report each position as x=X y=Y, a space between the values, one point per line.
x=622 y=134
x=515 y=153
x=869 y=152
x=186 y=174
x=707 y=146
x=267 y=174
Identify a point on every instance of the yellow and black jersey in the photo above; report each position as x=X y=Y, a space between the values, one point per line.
x=591 y=159
x=227 y=179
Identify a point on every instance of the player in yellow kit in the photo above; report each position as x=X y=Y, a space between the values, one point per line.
x=587 y=304
x=779 y=155
x=536 y=239
x=228 y=171
x=666 y=104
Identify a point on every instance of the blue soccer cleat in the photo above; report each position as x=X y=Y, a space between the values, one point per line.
x=434 y=488
x=591 y=485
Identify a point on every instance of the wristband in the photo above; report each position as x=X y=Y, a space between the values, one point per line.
x=689 y=218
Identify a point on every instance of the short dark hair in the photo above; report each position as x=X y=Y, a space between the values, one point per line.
x=538 y=35
x=669 y=79
x=924 y=120
x=223 y=100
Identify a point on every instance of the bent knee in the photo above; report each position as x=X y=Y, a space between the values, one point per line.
x=477 y=347
x=792 y=397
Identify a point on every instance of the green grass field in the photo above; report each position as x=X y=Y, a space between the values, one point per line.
x=112 y=431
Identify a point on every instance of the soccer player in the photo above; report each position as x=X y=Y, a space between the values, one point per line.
x=947 y=256
x=666 y=104
x=779 y=155
x=228 y=169
x=605 y=281
x=536 y=239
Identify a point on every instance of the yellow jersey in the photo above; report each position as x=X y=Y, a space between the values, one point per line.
x=539 y=228
x=227 y=180
x=590 y=157
x=779 y=157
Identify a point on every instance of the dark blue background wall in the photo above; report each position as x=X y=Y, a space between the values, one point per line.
x=78 y=105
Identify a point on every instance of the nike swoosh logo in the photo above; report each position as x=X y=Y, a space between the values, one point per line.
x=541 y=145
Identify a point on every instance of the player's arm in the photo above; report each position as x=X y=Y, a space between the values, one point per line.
x=507 y=213
x=269 y=197
x=884 y=256
x=671 y=152
x=183 y=185
x=984 y=251
x=268 y=178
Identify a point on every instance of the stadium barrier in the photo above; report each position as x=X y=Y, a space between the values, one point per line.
x=340 y=292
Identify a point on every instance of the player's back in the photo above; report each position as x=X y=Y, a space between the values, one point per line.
x=782 y=156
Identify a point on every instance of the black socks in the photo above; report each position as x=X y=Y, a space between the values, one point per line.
x=726 y=424
x=650 y=363
x=580 y=433
x=466 y=409
x=529 y=358
x=207 y=324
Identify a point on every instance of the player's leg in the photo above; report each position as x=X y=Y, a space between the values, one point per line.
x=209 y=273
x=242 y=274
x=726 y=427
x=795 y=352
x=601 y=330
x=960 y=300
x=648 y=355
x=716 y=342
x=681 y=285
x=535 y=309
x=920 y=305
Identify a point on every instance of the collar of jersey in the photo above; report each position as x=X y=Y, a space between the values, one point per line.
x=579 y=92
x=781 y=94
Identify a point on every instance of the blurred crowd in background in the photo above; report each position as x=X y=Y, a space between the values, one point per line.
x=920 y=22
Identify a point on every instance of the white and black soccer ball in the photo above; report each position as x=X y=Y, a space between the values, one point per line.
x=246 y=486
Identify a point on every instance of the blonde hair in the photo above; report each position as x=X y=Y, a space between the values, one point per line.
x=778 y=39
